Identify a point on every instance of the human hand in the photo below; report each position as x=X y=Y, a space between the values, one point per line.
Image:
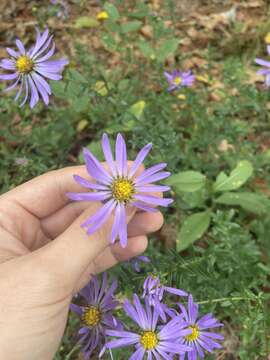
x=46 y=257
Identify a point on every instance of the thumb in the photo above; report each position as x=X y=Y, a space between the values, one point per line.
x=71 y=253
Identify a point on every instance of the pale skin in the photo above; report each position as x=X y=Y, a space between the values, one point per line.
x=46 y=257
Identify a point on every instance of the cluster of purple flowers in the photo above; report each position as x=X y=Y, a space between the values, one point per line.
x=181 y=333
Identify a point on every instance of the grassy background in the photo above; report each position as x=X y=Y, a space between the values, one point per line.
x=115 y=83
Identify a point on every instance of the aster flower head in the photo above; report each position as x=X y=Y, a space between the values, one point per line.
x=154 y=291
x=200 y=339
x=30 y=68
x=137 y=261
x=119 y=187
x=97 y=315
x=265 y=68
x=152 y=340
x=178 y=79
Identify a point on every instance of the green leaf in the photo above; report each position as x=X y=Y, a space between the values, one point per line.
x=237 y=178
x=137 y=109
x=146 y=49
x=86 y=22
x=76 y=76
x=112 y=11
x=254 y=203
x=130 y=26
x=58 y=88
x=109 y=42
x=167 y=48
x=193 y=229
x=187 y=181
x=191 y=200
x=81 y=103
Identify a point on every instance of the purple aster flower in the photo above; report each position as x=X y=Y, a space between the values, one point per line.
x=136 y=262
x=155 y=341
x=29 y=68
x=97 y=315
x=154 y=290
x=201 y=338
x=266 y=68
x=178 y=79
x=119 y=187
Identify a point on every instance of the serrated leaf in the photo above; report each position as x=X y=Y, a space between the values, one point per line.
x=254 y=203
x=112 y=11
x=187 y=181
x=193 y=229
x=86 y=22
x=130 y=26
x=167 y=48
x=236 y=179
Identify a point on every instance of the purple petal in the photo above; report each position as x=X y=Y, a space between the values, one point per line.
x=138 y=355
x=153 y=188
x=139 y=159
x=174 y=291
x=192 y=309
x=121 y=155
x=11 y=87
x=77 y=309
x=12 y=53
x=47 y=56
x=34 y=93
x=116 y=224
x=102 y=220
x=143 y=207
x=153 y=178
x=40 y=41
x=108 y=154
x=41 y=89
x=99 y=214
x=88 y=184
x=8 y=64
x=91 y=196
x=262 y=62
x=9 y=76
x=123 y=226
x=20 y=46
x=95 y=168
x=153 y=200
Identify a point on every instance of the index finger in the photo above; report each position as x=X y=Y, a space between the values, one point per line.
x=46 y=193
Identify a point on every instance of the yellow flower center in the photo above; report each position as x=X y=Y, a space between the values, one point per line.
x=24 y=64
x=122 y=189
x=91 y=316
x=195 y=333
x=177 y=80
x=149 y=340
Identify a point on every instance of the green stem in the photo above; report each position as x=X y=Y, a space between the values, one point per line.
x=235 y=298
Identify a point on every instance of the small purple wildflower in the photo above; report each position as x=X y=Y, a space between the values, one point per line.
x=155 y=341
x=201 y=338
x=97 y=316
x=119 y=187
x=266 y=68
x=136 y=262
x=29 y=68
x=154 y=291
x=178 y=79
